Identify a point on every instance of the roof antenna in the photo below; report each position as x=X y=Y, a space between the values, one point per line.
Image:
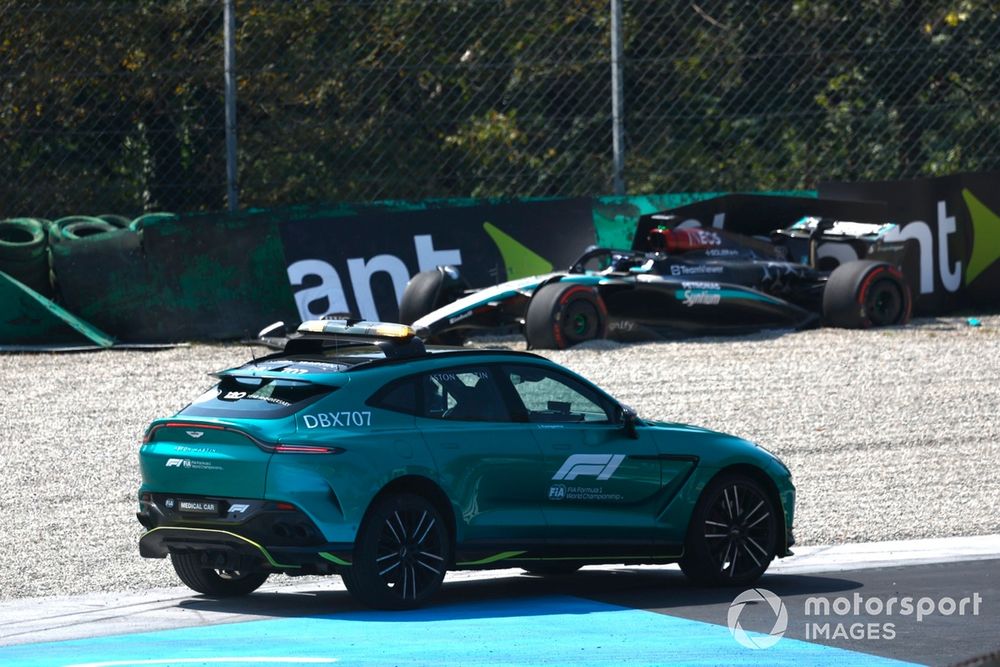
x=249 y=342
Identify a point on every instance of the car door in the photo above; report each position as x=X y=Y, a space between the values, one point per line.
x=602 y=485
x=488 y=465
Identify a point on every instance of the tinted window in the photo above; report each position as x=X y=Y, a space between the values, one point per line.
x=255 y=398
x=552 y=397
x=400 y=396
x=465 y=394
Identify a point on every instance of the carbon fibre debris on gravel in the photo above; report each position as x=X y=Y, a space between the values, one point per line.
x=890 y=434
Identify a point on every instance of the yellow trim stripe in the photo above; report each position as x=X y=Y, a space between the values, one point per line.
x=333 y=559
x=492 y=559
x=239 y=537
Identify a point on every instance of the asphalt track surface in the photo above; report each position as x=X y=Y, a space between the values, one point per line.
x=598 y=616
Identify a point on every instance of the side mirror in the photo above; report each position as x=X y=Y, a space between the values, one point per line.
x=276 y=330
x=629 y=421
x=275 y=336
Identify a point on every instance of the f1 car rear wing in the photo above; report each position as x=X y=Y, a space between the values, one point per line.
x=758 y=215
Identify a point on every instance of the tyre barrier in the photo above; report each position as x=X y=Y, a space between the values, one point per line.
x=26 y=243
x=119 y=221
x=149 y=218
x=24 y=253
x=76 y=227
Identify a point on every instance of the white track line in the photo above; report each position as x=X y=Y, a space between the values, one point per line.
x=28 y=620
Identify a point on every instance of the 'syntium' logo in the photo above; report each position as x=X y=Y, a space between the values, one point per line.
x=756 y=596
x=602 y=466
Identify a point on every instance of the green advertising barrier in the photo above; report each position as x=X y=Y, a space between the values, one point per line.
x=216 y=276
x=200 y=277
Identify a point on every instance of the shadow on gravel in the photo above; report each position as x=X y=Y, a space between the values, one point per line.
x=521 y=595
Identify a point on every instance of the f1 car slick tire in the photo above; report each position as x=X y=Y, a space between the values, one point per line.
x=864 y=294
x=733 y=534
x=561 y=315
x=426 y=292
x=208 y=581
x=401 y=554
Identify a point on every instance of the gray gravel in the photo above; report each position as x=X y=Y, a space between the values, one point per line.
x=890 y=434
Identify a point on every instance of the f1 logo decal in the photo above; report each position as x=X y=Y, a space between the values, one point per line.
x=602 y=466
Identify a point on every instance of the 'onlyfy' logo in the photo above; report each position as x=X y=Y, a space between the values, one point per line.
x=602 y=466
x=756 y=596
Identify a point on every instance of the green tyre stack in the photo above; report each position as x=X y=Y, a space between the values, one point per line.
x=23 y=253
x=75 y=227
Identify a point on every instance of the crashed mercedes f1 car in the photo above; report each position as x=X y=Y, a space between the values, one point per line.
x=680 y=280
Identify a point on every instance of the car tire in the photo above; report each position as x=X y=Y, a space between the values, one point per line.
x=401 y=553
x=219 y=583
x=561 y=315
x=76 y=227
x=21 y=240
x=119 y=221
x=426 y=292
x=557 y=568
x=865 y=294
x=733 y=534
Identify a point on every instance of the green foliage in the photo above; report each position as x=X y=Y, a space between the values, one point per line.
x=118 y=105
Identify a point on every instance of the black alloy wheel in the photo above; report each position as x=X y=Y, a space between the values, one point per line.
x=733 y=535
x=401 y=554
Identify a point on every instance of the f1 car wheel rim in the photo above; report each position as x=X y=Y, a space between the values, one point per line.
x=581 y=321
x=410 y=556
x=884 y=303
x=231 y=575
x=739 y=531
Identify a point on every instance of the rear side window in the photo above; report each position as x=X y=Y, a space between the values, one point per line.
x=399 y=396
x=459 y=394
x=464 y=394
x=255 y=398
